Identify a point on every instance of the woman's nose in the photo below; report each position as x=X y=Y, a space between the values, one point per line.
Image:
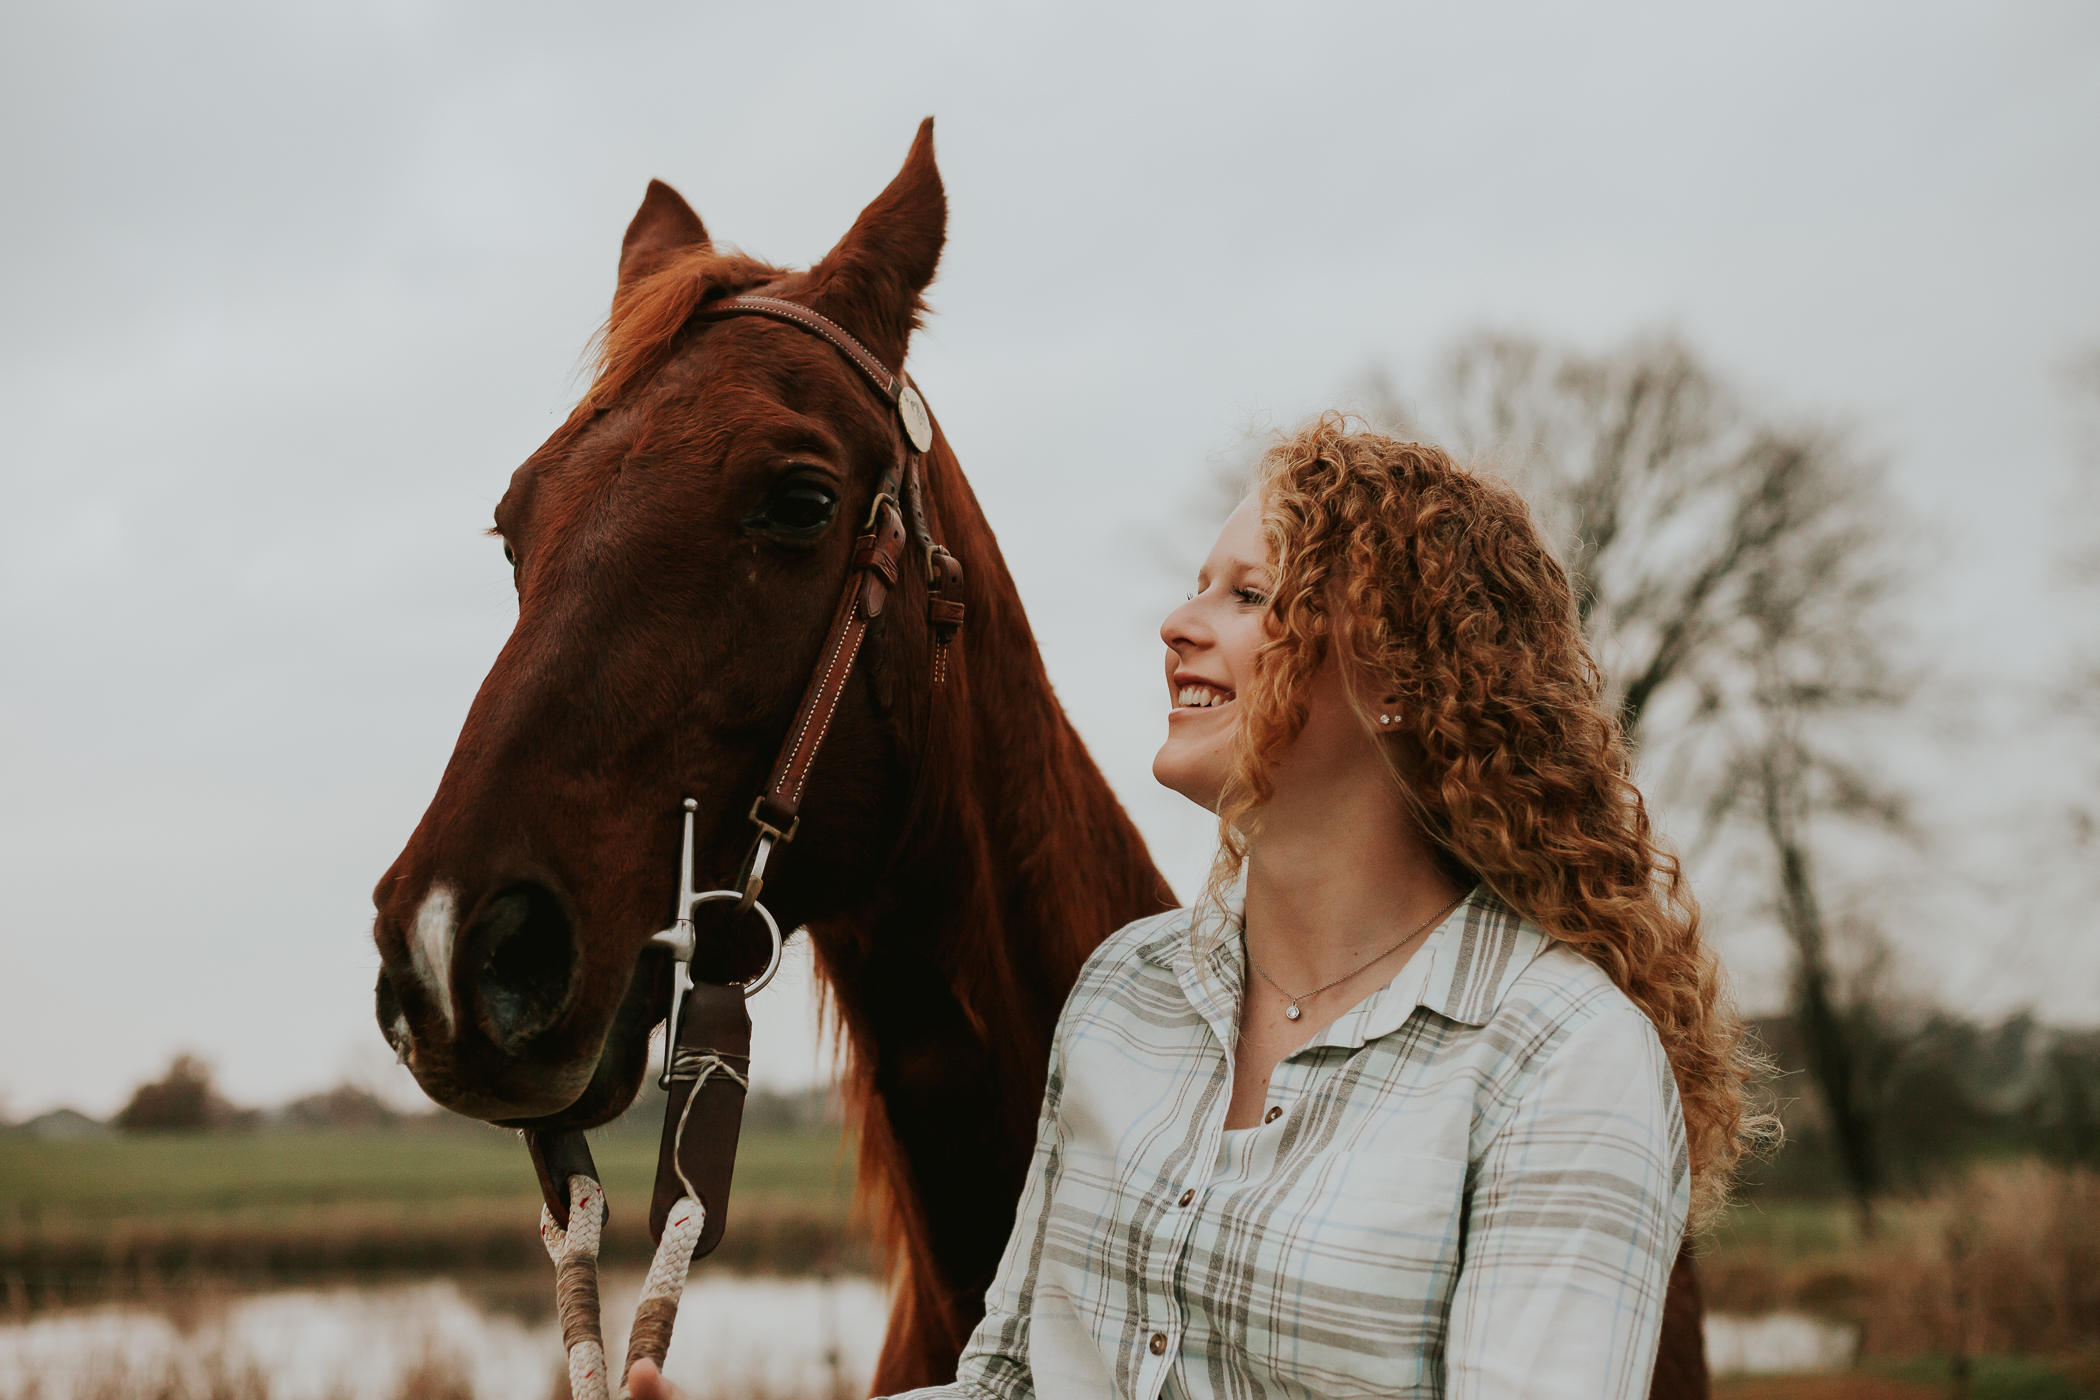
x=1184 y=625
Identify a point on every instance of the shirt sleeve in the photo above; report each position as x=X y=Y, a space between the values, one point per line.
x=994 y=1364
x=1575 y=1215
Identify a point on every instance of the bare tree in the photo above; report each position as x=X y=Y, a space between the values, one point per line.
x=1734 y=574
x=182 y=1100
x=1806 y=671
x=2080 y=696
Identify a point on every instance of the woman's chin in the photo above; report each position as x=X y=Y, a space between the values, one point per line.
x=1198 y=777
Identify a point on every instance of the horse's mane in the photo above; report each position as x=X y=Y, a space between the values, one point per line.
x=648 y=314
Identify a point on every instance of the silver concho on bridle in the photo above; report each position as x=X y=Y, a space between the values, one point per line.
x=680 y=939
x=918 y=423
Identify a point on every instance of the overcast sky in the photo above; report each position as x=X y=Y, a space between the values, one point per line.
x=287 y=291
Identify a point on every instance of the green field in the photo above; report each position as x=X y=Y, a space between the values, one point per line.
x=74 y=1216
x=195 y=1178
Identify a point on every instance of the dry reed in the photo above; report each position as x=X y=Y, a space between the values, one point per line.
x=2007 y=1260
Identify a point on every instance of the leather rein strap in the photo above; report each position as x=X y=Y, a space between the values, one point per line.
x=777 y=812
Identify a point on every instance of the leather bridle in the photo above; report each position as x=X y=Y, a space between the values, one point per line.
x=704 y=1111
x=777 y=811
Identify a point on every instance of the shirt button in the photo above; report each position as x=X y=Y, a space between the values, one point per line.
x=1186 y=1197
x=1159 y=1344
x=1272 y=1115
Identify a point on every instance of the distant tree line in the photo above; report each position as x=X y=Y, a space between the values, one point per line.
x=182 y=1100
x=1943 y=1094
x=185 y=1099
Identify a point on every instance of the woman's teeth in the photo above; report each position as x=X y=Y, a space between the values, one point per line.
x=1199 y=697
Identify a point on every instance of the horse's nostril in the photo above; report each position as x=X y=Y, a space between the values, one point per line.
x=527 y=962
x=386 y=1007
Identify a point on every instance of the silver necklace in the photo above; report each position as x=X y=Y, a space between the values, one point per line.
x=1292 y=1011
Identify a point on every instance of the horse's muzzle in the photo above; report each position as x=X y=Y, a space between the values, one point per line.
x=487 y=1013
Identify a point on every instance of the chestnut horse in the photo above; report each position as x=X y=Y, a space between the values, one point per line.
x=678 y=546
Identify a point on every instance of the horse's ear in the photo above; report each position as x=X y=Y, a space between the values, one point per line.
x=663 y=227
x=870 y=283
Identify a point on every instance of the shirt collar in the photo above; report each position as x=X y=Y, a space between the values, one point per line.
x=1462 y=971
x=1215 y=983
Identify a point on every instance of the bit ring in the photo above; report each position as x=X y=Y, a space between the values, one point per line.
x=757 y=984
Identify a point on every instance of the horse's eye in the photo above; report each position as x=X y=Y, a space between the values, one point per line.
x=797 y=506
x=510 y=556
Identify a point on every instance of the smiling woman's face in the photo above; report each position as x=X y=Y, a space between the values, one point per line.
x=1212 y=639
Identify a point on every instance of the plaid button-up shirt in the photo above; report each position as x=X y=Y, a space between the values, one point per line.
x=1476 y=1186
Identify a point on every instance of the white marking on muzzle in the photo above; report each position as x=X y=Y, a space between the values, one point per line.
x=430 y=945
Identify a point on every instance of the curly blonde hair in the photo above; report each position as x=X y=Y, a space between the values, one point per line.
x=1430 y=583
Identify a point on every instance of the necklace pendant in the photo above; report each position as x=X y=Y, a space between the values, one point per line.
x=1292 y=1011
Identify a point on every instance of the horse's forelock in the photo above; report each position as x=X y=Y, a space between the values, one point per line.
x=647 y=314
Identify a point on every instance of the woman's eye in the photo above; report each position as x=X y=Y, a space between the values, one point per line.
x=798 y=507
x=1252 y=597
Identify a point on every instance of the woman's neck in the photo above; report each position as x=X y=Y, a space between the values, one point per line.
x=1337 y=878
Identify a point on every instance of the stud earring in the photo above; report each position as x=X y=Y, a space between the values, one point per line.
x=1390 y=700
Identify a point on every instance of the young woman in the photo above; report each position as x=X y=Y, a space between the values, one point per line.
x=1418 y=1098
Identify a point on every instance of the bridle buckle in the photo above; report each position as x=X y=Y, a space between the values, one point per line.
x=766 y=828
x=752 y=878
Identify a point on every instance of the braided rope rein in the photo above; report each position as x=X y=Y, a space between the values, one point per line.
x=575 y=1255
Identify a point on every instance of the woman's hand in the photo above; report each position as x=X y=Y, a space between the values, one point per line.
x=645 y=1382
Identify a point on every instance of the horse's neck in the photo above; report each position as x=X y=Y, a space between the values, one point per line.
x=1058 y=860
x=1019 y=862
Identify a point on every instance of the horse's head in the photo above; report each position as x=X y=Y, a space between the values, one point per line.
x=679 y=546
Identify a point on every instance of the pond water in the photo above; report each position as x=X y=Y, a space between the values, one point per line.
x=752 y=1338
x=1777 y=1343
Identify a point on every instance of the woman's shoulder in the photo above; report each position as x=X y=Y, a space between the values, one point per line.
x=1529 y=991
x=1562 y=1003
x=1555 y=1036
x=1150 y=943
x=1137 y=960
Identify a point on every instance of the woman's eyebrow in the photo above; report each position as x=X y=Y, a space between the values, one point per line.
x=1233 y=565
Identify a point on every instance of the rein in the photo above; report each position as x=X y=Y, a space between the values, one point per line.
x=707 y=1035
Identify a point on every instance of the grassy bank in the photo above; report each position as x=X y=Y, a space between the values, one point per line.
x=2006 y=1260
x=81 y=1219
x=1986 y=1288
x=1988 y=1378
